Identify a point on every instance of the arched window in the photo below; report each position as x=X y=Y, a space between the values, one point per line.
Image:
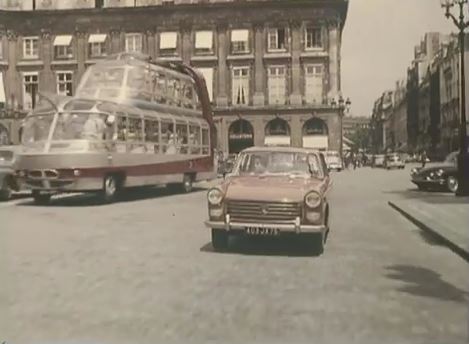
x=4 y=135
x=240 y=136
x=277 y=133
x=315 y=134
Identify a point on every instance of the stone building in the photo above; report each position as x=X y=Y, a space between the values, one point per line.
x=272 y=67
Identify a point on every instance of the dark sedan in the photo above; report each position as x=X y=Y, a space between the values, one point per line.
x=438 y=177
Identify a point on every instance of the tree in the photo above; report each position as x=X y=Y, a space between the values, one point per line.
x=361 y=138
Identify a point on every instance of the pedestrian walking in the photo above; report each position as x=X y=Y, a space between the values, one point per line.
x=423 y=158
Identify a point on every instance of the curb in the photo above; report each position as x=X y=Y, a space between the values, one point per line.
x=462 y=252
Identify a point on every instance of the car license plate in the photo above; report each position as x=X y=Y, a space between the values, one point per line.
x=261 y=231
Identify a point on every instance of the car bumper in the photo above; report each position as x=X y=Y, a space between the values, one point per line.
x=429 y=182
x=282 y=228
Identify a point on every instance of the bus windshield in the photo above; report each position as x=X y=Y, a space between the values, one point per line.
x=82 y=126
x=36 y=128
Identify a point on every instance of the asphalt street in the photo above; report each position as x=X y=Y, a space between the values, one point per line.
x=143 y=271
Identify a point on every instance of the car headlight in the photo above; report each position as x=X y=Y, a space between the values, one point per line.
x=215 y=196
x=440 y=172
x=413 y=171
x=313 y=199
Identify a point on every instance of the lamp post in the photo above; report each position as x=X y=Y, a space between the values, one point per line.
x=463 y=163
x=343 y=105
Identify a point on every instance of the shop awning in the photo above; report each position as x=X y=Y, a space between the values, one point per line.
x=97 y=38
x=2 y=89
x=204 y=40
x=63 y=40
x=168 y=40
x=277 y=140
x=239 y=35
x=316 y=141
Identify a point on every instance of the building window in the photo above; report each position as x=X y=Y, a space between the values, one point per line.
x=240 y=86
x=314 y=84
x=62 y=47
x=30 y=89
x=168 y=43
x=30 y=47
x=64 y=83
x=277 y=85
x=204 y=42
x=208 y=75
x=313 y=39
x=97 y=45
x=239 y=41
x=133 y=43
x=277 y=39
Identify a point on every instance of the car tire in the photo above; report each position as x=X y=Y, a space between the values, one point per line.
x=452 y=184
x=187 y=183
x=219 y=240
x=421 y=187
x=110 y=189
x=5 y=191
x=41 y=198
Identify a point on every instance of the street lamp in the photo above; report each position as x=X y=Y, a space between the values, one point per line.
x=463 y=163
x=343 y=105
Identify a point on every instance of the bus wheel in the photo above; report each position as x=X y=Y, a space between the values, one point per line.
x=187 y=183
x=41 y=198
x=110 y=188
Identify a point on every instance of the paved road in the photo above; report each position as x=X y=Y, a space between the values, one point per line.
x=143 y=271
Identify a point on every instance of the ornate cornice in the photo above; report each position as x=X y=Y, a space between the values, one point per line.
x=115 y=32
x=81 y=33
x=185 y=25
x=295 y=23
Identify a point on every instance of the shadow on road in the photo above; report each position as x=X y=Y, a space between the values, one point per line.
x=92 y=199
x=435 y=196
x=430 y=239
x=282 y=247
x=426 y=283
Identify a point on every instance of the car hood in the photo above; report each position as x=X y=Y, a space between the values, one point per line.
x=444 y=167
x=270 y=188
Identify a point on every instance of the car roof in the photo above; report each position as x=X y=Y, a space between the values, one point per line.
x=281 y=149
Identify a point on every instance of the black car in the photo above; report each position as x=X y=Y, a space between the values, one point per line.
x=438 y=177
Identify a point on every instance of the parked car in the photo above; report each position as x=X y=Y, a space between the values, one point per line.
x=442 y=176
x=8 y=181
x=333 y=161
x=378 y=160
x=393 y=160
x=273 y=191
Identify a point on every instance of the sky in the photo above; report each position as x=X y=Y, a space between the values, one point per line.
x=378 y=45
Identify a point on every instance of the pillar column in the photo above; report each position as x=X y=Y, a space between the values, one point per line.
x=116 y=39
x=259 y=69
x=333 y=33
x=47 y=82
x=333 y=126
x=223 y=46
x=12 y=81
x=296 y=129
x=151 y=43
x=186 y=50
x=81 y=55
x=295 y=96
x=258 y=124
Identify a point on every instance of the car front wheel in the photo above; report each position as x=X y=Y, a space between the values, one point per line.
x=452 y=184
x=5 y=191
x=219 y=240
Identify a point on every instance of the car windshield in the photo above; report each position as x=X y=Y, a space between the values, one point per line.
x=260 y=163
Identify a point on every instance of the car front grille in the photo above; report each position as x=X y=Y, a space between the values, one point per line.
x=43 y=174
x=263 y=212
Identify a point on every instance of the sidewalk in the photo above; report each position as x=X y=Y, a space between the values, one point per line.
x=445 y=216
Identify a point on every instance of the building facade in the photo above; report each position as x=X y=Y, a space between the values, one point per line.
x=353 y=124
x=272 y=67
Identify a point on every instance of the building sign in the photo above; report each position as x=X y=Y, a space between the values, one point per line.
x=240 y=136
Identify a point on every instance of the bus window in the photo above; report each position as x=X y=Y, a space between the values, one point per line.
x=182 y=137
x=168 y=138
x=188 y=99
x=139 y=84
x=174 y=91
x=121 y=127
x=205 y=141
x=135 y=135
x=152 y=135
x=194 y=139
x=161 y=90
